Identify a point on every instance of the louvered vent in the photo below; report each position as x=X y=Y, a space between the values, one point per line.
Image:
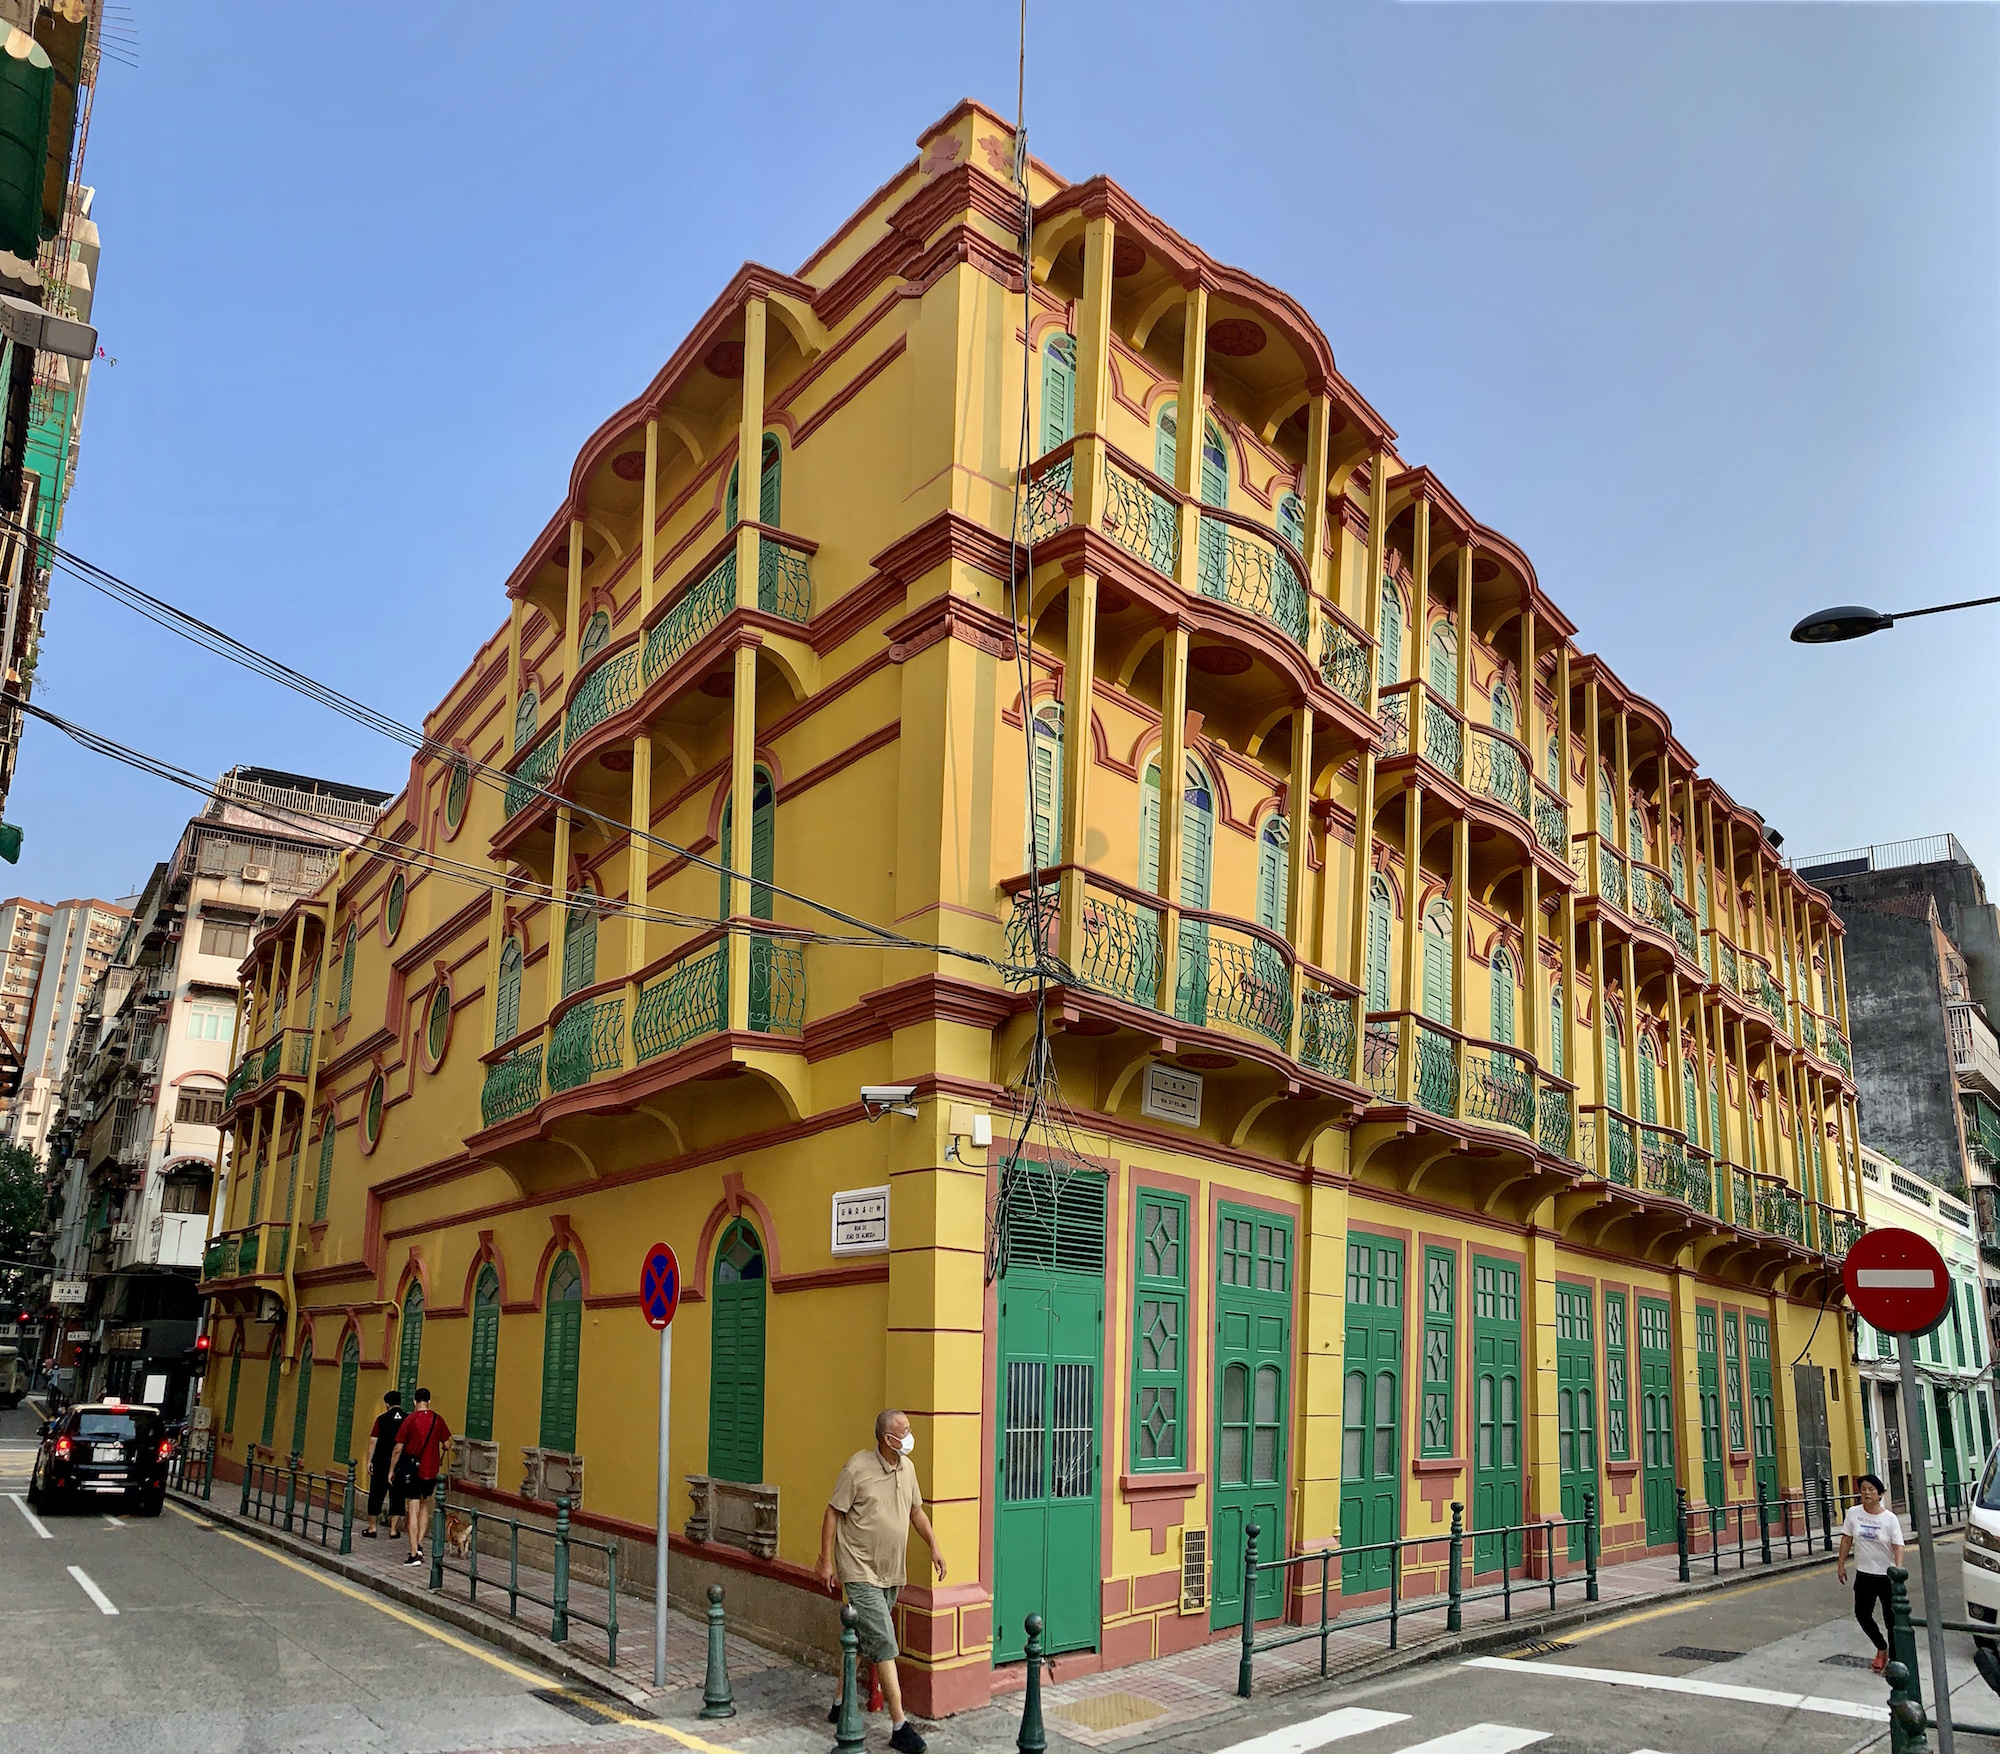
x=1194 y=1570
x=1053 y=1217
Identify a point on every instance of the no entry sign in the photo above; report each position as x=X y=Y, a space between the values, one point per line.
x=1897 y=1281
x=660 y=1285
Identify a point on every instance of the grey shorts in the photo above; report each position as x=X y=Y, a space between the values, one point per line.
x=875 y=1621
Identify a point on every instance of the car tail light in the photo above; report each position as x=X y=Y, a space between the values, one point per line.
x=62 y=1449
x=166 y=1448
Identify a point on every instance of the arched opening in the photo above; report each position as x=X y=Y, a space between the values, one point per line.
x=302 y=1398
x=485 y=1355
x=1273 y=872
x=1058 y=391
x=410 y=1344
x=562 y=1345
x=1502 y=705
x=526 y=712
x=343 y=1418
x=507 y=996
x=1444 y=662
x=1438 y=972
x=736 y=1356
x=769 y=486
x=1379 y=908
x=579 y=964
x=1046 y=781
x=596 y=636
x=1501 y=970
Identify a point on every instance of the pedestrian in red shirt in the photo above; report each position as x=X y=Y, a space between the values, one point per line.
x=415 y=1466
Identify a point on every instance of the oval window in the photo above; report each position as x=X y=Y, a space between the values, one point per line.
x=455 y=792
x=438 y=1033
x=371 y=1115
x=392 y=913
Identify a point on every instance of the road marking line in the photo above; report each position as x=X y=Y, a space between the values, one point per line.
x=1687 y=1684
x=1317 y=1732
x=1479 y=1739
x=1702 y=1601
x=113 y=1521
x=34 y=1522
x=535 y=1679
x=91 y=1590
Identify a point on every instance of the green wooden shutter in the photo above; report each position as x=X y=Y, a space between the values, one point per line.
x=235 y=1381
x=1691 y=1103
x=526 y=712
x=1635 y=834
x=1607 y=808
x=1437 y=963
x=303 y=1398
x=1159 y=1333
x=1617 y=1423
x=347 y=971
x=1678 y=870
x=1444 y=662
x=272 y=1379
x=411 y=1347
x=1058 y=392
x=1197 y=837
x=580 y=941
x=1714 y=1120
x=343 y=1418
x=485 y=1356
x=507 y=1002
x=1614 y=1062
x=562 y=1345
x=596 y=636
x=1378 y=945
x=323 y=1179
x=1164 y=444
x=729 y=501
x=1649 y=1080
x=1556 y=1030
x=1273 y=873
x=1292 y=520
x=736 y=1358
x=1392 y=634
x=763 y=845
x=1149 y=831
x=1502 y=974
x=1214 y=469
x=1503 y=709
x=770 y=482
x=1555 y=764
x=1046 y=803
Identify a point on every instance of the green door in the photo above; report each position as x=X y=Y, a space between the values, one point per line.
x=562 y=1347
x=302 y=1399
x=272 y=1379
x=485 y=1356
x=1371 y=1409
x=1191 y=980
x=1763 y=1414
x=1952 y=1470
x=1576 y=1407
x=1656 y=1419
x=736 y=1357
x=1708 y=1384
x=1496 y=1407
x=411 y=1349
x=1253 y=1311
x=1046 y=1466
x=343 y=1418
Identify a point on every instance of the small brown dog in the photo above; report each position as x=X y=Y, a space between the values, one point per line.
x=457 y=1533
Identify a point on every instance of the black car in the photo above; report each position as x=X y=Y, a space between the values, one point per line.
x=103 y=1450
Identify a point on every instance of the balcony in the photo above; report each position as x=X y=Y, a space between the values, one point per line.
x=532 y=773
x=1754 y=983
x=1839 y=1230
x=1345 y=662
x=1459 y=1078
x=255 y=1252
x=1256 y=571
x=606 y=689
x=263 y=1063
x=1975 y=1056
x=1819 y=1034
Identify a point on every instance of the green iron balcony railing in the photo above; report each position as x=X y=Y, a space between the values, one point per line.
x=604 y=693
x=1700 y=1184
x=526 y=783
x=1051 y=497
x=1758 y=987
x=256 y=1249
x=1662 y=1166
x=1120 y=949
x=1394 y=712
x=1499 y=1086
x=1326 y=1031
x=1780 y=1210
x=1551 y=821
x=692 y=614
x=688 y=1001
x=1839 y=1231
x=1344 y=662
x=1230 y=974
x=784 y=579
x=777 y=985
x=1499 y=771
x=1141 y=520
x=588 y=1038
x=302 y=1052
x=1240 y=564
x=1555 y=1120
x=1742 y=1206
x=1444 y=738
x=218 y=1260
x=1381 y=1051
x=1611 y=876
x=513 y=1085
x=1437 y=1068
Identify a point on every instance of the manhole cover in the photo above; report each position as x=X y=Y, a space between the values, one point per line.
x=1538 y=1647
x=1694 y=1653
x=1847 y=1660
x=1109 y=1711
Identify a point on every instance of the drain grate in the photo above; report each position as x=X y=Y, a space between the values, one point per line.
x=573 y=1705
x=1847 y=1660
x=1695 y=1653
x=1538 y=1647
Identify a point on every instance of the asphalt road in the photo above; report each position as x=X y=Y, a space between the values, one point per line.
x=217 y=1643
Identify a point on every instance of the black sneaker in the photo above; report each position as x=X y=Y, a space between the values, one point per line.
x=833 y=1715
x=905 y=1740
x=414 y=1559
x=368 y=1534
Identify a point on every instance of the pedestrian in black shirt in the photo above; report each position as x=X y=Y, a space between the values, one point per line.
x=381 y=1446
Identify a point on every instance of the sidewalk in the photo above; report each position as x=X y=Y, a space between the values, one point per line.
x=781 y=1704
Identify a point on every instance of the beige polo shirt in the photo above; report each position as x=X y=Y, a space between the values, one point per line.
x=875 y=1502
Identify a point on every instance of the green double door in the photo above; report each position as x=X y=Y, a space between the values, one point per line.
x=1496 y=1409
x=1708 y=1385
x=1253 y=1319
x=1371 y=1410
x=1576 y=1409
x=1048 y=1461
x=1763 y=1412
x=1656 y=1420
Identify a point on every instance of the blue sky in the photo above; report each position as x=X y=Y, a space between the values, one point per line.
x=1696 y=303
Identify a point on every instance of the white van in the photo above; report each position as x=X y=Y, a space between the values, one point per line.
x=1982 y=1544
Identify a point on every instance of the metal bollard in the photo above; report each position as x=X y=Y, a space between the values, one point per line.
x=1763 y=1525
x=1681 y=1529
x=559 y=1623
x=1032 y=1739
x=1249 y=1611
x=716 y=1699
x=291 y=1496
x=243 y=1509
x=1589 y=1545
x=1825 y=1518
x=1906 y=1716
x=849 y=1735
x=1902 y=1635
x=437 y=1535
x=347 y=1513
x=1454 y=1614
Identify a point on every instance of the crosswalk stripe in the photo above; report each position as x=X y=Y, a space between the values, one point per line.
x=91 y=1590
x=1317 y=1732
x=1479 y=1739
x=1686 y=1684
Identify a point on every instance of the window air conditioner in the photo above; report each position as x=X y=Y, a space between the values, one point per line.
x=256 y=873
x=121 y=1232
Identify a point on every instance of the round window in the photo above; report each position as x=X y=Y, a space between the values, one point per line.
x=392 y=916
x=455 y=791
x=438 y=1033
x=371 y=1118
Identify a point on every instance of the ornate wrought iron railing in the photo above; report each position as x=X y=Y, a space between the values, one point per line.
x=1700 y=1183
x=1120 y=951
x=1380 y=1051
x=1499 y=1086
x=1662 y=1165
x=1254 y=572
x=1611 y=876
x=512 y=1086
x=537 y=768
x=1326 y=1030
x=784 y=579
x=1437 y=1068
x=1394 y=712
x=1780 y=1210
x=1141 y=520
x=1499 y=771
x=604 y=692
x=697 y=609
x=1758 y=987
x=1839 y=1230
x=1551 y=820
x=1227 y=974
x=256 y=1248
x=683 y=1004
x=777 y=985
x=1444 y=738
x=588 y=1038
x=1343 y=662
x=1742 y=1207
x=1051 y=499
x=1555 y=1119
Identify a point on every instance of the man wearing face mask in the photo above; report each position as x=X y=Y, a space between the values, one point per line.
x=874 y=1505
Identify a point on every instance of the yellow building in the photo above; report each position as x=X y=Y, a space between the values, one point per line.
x=1554 y=1214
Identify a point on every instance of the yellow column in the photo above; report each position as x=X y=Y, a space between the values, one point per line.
x=516 y=614
x=1705 y=1073
x=749 y=478
x=1369 y=610
x=1298 y=875
x=1564 y=729
x=558 y=914
x=1417 y=635
x=649 y=520
x=1682 y=1290
x=742 y=793
x=1544 y=1456
x=1173 y=792
x=1079 y=691
x=1313 y=492
x=1461 y=968
x=1411 y=990
x=282 y=1021
x=1629 y=981
x=1566 y=919
x=573 y=614
x=637 y=861
x=1093 y=371
x=1600 y=1041
x=1534 y=1036
x=1622 y=801
x=1190 y=414
x=1360 y=887
x=1464 y=618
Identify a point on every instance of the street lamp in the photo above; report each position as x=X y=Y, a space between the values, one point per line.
x=1828 y=627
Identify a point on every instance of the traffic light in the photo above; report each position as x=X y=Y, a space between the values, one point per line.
x=200 y=1354
x=10 y=843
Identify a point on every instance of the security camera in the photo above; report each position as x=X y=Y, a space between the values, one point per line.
x=878 y=1100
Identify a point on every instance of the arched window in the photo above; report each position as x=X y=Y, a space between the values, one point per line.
x=235 y=1381
x=1556 y=1029
x=1503 y=708
x=1273 y=862
x=323 y=1176
x=507 y=995
x=392 y=914
x=1614 y=1061
x=1444 y=662
x=1045 y=788
x=1555 y=764
x=769 y=494
x=763 y=845
x=410 y=1347
x=302 y=1398
x=343 y=1418
x=1691 y=1103
x=1392 y=633
x=1649 y=1083
x=1701 y=903
x=1607 y=806
x=1714 y=1119
x=1292 y=520
x=736 y=1357
x=1197 y=832
x=347 y=971
x=1165 y=444
x=1378 y=944
x=273 y=1378
x=1677 y=869
x=485 y=1355
x=596 y=636
x=579 y=963
x=525 y=712
x=1214 y=467
x=562 y=1343
x=1502 y=968
x=1058 y=391
x=1636 y=839
x=1438 y=939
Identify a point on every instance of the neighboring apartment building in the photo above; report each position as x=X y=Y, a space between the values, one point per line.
x=143 y=1094
x=1445 y=1081
x=24 y=937
x=82 y=936
x=1955 y=1398
x=1923 y=976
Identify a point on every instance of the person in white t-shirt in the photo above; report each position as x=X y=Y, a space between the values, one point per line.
x=1872 y=1536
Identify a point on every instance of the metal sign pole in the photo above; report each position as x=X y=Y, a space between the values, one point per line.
x=1918 y=1494
x=660 y=1517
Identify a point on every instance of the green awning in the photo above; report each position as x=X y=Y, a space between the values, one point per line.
x=27 y=96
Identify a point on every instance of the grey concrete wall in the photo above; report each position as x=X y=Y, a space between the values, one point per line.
x=1970 y=921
